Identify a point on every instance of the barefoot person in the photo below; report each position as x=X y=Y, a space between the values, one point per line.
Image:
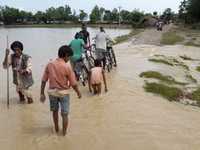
x=96 y=76
x=22 y=70
x=59 y=75
x=101 y=40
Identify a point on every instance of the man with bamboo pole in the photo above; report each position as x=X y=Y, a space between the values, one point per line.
x=22 y=70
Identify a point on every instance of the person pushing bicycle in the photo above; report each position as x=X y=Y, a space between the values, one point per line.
x=77 y=45
x=101 y=43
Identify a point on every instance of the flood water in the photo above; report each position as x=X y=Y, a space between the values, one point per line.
x=125 y=118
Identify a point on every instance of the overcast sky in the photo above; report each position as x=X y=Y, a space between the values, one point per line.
x=148 y=6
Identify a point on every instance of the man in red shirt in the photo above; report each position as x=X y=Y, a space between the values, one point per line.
x=59 y=75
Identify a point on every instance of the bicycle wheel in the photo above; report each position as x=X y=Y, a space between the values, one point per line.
x=113 y=58
x=84 y=75
x=93 y=51
x=89 y=60
x=108 y=63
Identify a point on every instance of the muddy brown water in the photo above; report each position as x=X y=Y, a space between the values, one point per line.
x=124 y=118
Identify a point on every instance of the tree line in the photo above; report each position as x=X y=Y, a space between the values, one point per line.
x=188 y=12
x=63 y=14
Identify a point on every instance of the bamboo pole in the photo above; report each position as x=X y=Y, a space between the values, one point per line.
x=7 y=80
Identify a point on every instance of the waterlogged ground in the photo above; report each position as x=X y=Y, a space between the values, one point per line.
x=126 y=117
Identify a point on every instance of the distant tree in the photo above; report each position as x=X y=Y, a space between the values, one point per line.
x=125 y=15
x=74 y=17
x=39 y=17
x=155 y=13
x=115 y=15
x=107 y=15
x=183 y=11
x=101 y=12
x=167 y=15
x=148 y=15
x=1 y=13
x=82 y=15
x=50 y=14
x=96 y=14
x=189 y=11
x=25 y=16
x=137 y=15
x=10 y=15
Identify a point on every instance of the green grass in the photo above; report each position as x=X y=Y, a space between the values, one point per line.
x=190 y=32
x=195 y=96
x=198 y=68
x=191 y=43
x=170 y=38
x=126 y=37
x=184 y=66
x=186 y=57
x=170 y=93
x=161 y=61
x=159 y=76
x=190 y=78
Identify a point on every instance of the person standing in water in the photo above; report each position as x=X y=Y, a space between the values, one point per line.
x=22 y=70
x=96 y=76
x=59 y=75
x=85 y=35
x=101 y=40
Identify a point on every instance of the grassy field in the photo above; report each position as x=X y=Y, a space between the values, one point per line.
x=170 y=38
x=167 y=87
x=194 y=34
x=126 y=37
x=161 y=61
x=170 y=93
x=195 y=96
x=159 y=76
x=198 y=68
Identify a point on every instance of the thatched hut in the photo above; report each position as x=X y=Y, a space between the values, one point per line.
x=149 y=22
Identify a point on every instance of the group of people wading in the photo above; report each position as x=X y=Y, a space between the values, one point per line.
x=59 y=74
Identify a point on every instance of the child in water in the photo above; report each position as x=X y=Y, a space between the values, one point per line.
x=96 y=77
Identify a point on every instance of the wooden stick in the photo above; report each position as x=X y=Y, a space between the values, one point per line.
x=7 y=80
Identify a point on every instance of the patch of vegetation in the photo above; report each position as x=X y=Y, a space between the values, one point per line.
x=184 y=66
x=198 y=68
x=186 y=57
x=159 y=76
x=190 y=32
x=126 y=37
x=175 y=60
x=170 y=93
x=195 y=96
x=170 y=38
x=193 y=80
x=160 y=55
x=161 y=61
x=191 y=43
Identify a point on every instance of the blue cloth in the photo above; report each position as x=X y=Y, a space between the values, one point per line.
x=64 y=103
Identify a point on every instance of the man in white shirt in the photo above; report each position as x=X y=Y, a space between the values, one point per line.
x=101 y=43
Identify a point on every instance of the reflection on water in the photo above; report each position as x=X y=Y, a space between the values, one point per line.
x=124 y=118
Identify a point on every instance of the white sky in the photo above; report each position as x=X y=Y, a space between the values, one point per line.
x=148 y=6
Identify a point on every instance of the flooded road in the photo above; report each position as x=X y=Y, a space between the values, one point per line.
x=125 y=118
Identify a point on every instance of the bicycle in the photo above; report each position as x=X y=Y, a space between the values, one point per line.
x=112 y=55
x=88 y=56
x=84 y=65
x=82 y=73
x=109 y=56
